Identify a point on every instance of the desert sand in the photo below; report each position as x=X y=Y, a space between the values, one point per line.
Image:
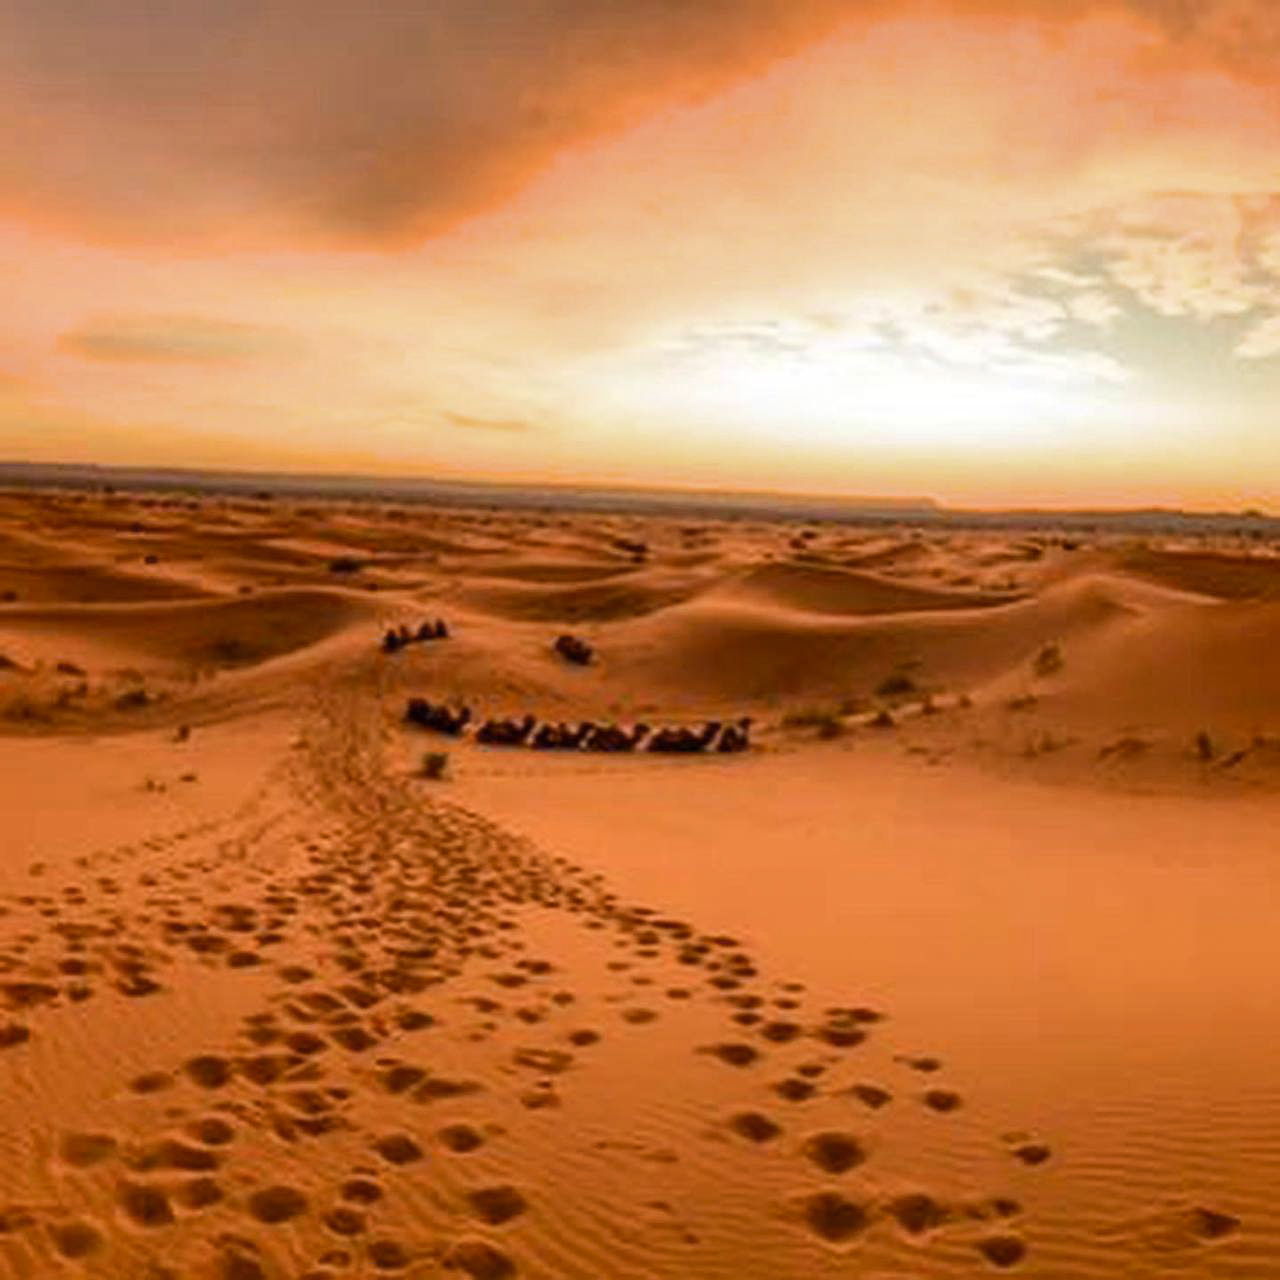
x=964 y=967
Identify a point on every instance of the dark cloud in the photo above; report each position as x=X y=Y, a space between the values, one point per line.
x=252 y=121
x=172 y=339
x=360 y=123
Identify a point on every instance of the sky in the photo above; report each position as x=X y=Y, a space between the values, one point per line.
x=993 y=252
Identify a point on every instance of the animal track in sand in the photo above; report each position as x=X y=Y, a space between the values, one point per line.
x=833 y=1217
x=461 y=1139
x=754 y=1126
x=834 y=1152
x=734 y=1053
x=1002 y=1251
x=871 y=1095
x=941 y=1100
x=498 y=1204
x=84 y=1150
x=13 y=1034
x=275 y=1204
x=213 y=1131
x=208 y=1070
x=917 y=1213
x=479 y=1260
x=361 y=1190
x=345 y=1221
x=387 y=1255
x=146 y=1206
x=398 y=1148
x=76 y=1239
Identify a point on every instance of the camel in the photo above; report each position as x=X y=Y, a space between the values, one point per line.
x=735 y=737
x=505 y=733
x=684 y=741
x=549 y=737
x=427 y=715
x=612 y=737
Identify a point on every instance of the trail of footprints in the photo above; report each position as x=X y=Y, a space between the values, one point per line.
x=396 y=920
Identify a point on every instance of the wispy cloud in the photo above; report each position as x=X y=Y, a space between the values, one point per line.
x=471 y=422
x=172 y=339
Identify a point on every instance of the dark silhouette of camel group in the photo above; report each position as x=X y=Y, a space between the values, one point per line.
x=396 y=638
x=587 y=735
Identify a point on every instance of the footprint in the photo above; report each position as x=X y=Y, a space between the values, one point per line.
x=479 y=1259
x=13 y=1034
x=834 y=1152
x=833 y=1217
x=794 y=1090
x=398 y=1148
x=734 y=1053
x=460 y=1138
x=496 y=1205
x=387 y=1255
x=941 y=1100
x=754 y=1126
x=76 y=1239
x=276 y=1204
x=871 y=1095
x=915 y=1212
x=345 y=1221
x=144 y=1205
x=213 y=1131
x=1002 y=1251
x=83 y=1150
x=208 y=1070
x=200 y=1193
x=361 y=1191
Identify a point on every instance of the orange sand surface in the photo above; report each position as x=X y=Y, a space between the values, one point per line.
x=965 y=967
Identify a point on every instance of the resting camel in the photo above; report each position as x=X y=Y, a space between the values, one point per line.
x=736 y=737
x=560 y=737
x=612 y=737
x=396 y=638
x=438 y=717
x=505 y=733
x=684 y=741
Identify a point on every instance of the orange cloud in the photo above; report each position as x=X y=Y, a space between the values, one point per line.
x=172 y=339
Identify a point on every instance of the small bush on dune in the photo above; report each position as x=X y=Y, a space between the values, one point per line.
x=895 y=686
x=1048 y=661
x=435 y=765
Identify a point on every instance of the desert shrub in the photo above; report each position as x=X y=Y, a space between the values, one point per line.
x=1204 y=746
x=345 y=564
x=435 y=765
x=1048 y=661
x=896 y=685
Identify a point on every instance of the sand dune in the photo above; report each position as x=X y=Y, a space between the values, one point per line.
x=235 y=632
x=824 y=590
x=866 y=1005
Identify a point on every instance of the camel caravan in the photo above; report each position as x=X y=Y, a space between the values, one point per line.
x=396 y=638
x=714 y=736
